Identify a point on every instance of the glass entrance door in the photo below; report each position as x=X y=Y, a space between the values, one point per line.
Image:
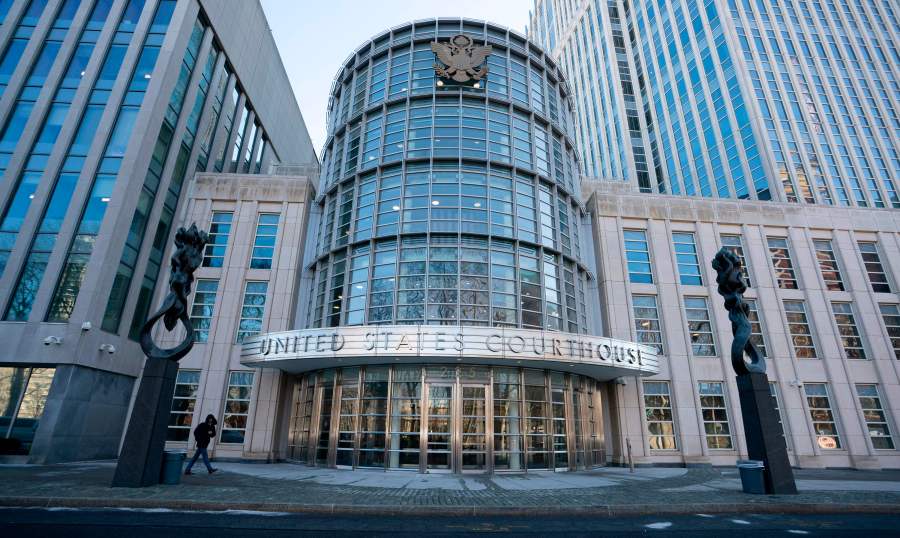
x=473 y=428
x=439 y=424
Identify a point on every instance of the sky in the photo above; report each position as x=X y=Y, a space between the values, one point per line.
x=314 y=37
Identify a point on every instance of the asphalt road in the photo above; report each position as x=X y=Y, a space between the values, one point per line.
x=130 y=523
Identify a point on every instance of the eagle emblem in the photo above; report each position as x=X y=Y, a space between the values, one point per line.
x=462 y=59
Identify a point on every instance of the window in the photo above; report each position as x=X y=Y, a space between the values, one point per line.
x=264 y=244
x=372 y=419
x=658 y=409
x=877 y=276
x=348 y=415
x=828 y=265
x=219 y=229
x=237 y=407
x=252 y=310
x=890 y=314
x=851 y=340
x=715 y=415
x=873 y=413
x=637 y=253
x=182 y=415
x=203 y=308
x=700 y=327
x=735 y=245
x=646 y=321
x=798 y=325
x=756 y=332
x=781 y=262
x=773 y=390
x=823 y=422
x=686 y=258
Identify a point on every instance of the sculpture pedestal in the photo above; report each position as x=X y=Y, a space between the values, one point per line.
x=140 y=461
x=764 y=434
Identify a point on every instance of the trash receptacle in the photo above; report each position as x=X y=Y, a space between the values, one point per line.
x=752 y=480
x=173 y=461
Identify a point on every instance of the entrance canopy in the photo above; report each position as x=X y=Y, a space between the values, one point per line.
x=312 y=349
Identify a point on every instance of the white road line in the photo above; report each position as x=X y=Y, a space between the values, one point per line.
x=659 y=526
x=740 y=521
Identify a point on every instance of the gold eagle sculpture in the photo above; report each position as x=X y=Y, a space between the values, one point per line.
x=462 y=59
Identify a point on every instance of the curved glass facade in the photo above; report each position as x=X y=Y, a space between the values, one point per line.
x=447 y=418
x=448 y=204
x=443 y=204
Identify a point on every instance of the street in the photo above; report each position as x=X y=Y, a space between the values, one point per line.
x=135 y=523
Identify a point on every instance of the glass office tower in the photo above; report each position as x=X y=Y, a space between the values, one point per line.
x=107 y=108
x=790 y=100
x=448 y=205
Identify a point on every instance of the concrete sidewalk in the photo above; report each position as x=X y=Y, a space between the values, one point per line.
x=295 y=488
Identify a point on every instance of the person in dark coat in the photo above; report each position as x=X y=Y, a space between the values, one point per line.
x=204 y=431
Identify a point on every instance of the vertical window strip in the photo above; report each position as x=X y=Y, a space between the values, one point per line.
x=715 y=415
x=637 y=255
x=203 y=308
x=776 y=401
x=646 y=321
x=219 y=231
x=686 y=258
x=821 y=416
x=756 y=330
x=798 y=326
x=828 y=265
x=851 y=340
x=658 y=410
x=25 y=27
x=184 y=401
x=890 y=315
x=781 y=263
x=264 y=242
x=700 y=328
x=237 y=407
x=874 y=415
x=252 y=310
x=734 y=243
x=877 y=275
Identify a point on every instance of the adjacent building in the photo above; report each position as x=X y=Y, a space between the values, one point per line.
x=770 y=128
x=107 y=109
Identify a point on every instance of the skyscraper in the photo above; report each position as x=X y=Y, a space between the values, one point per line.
x=107 y=108
x=769 y=128
x=794 y=100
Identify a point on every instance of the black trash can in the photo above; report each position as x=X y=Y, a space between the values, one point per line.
x=752 y=480
x=173 y=461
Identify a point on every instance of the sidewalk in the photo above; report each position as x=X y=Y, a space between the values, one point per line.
x=295 y=488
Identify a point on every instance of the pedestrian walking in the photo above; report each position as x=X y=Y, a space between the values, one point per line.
x=204 y=431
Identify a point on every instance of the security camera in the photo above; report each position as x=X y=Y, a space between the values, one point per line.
x=109 y=348
x=52 y=340
x=86 y=326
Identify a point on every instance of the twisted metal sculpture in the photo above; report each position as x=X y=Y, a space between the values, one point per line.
x=188 y=254
x=732 y=288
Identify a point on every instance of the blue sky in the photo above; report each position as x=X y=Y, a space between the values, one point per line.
x=315 y=37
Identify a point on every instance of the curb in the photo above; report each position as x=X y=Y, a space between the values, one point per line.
x=462 y=510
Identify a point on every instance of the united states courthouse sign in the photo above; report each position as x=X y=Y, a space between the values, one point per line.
x=310 y=349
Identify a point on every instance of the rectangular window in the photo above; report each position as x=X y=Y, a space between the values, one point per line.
x=756 y=332
x=185 y=398
x=686 y=258
x=873 y=413
x=203 y=308
x=823 y=422
x=877 y=275
x=646 y=321
x=828 y=265
x=264 y=244
x=637 y=253
x=851 y=340
x=237 y=407
x=715 y=415
x=253 y=310
x=890 y=314
x=781 y=262
x=219 y=230
x=658 y=409
x=798 y=325
x=735 y=245
x=700 y=327
x=773 y=390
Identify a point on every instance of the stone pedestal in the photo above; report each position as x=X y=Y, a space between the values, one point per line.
x=140 y=461
x=764 y=434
